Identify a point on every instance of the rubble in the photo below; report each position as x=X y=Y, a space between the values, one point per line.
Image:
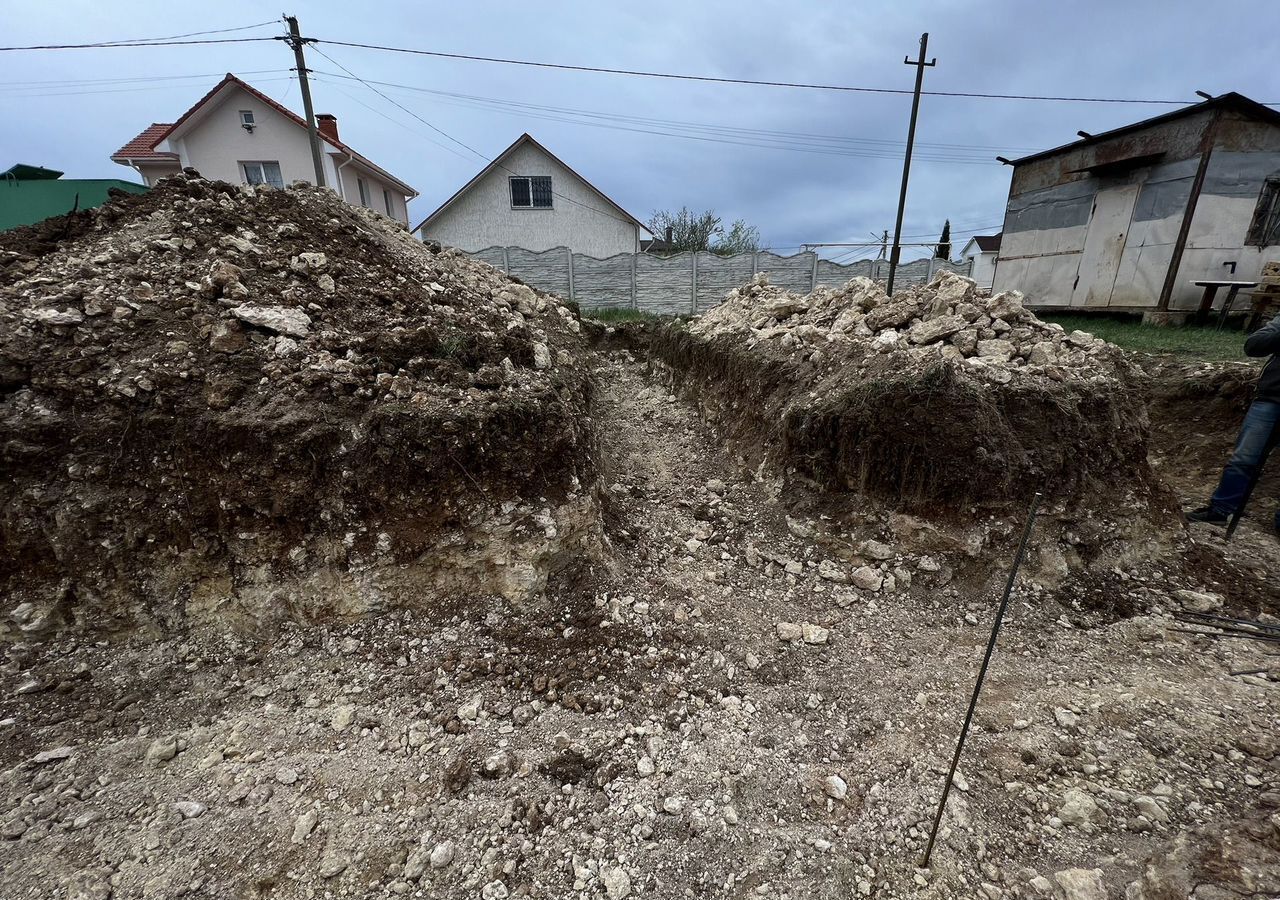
x=936 y=401
x=233 y=405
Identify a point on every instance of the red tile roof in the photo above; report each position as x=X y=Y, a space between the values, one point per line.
x=157 y=133
x=143 y=146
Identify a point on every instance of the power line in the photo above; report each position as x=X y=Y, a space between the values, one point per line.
x=835 y=145
x=18 y=95
x=129 y=79
x=487 y=160
x=174 y=37
x=142 y=43
x=746 y=81
x=764 y=142
x=398 y=105
x=678 y=122
x=395 y=121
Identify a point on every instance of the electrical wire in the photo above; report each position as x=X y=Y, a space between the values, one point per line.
x=832 y=138
x=745 y=81
x=157 y=41
x=128 y=79
x=142 y=43
x=443 y=146
x=5 y=95
x=487 y=160
x=763 y=143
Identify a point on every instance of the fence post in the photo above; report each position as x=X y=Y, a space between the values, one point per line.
x=932 y=268
x=813 y=275
x=693 y=299
x=506 y=261
x=634 y=260
x=569 y=253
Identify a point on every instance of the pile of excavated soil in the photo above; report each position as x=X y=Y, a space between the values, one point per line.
x=936 y=400
x=237 y=404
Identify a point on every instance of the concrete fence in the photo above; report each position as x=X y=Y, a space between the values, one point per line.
x=686 y=283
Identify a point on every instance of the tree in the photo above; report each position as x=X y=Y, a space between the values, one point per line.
x=741 y=238
x=703 y=231
x=944 y=243
x=689 y=230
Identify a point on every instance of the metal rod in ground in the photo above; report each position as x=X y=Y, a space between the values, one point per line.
x=982 y=674
x=1253 y=482
x=920 y=65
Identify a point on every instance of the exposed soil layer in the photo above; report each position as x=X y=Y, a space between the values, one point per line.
x=220 y=403
x=941 y=402
x=758 y=698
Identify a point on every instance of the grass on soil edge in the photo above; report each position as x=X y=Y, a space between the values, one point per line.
x=1193 y=341
x=615 y=316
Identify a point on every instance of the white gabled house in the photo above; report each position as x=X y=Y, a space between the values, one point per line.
x=238 y=134
x=982 y=250
x=529 y=198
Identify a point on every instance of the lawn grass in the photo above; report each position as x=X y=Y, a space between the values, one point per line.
x=1184 y=340
x=612 y=316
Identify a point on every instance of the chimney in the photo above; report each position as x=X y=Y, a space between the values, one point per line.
x=327 y=125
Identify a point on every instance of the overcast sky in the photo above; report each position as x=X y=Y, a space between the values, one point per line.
x=1149 y=50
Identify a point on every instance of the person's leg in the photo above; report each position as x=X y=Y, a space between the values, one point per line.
x=1259 y=424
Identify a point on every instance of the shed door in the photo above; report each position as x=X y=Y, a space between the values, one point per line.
x=1103 y=245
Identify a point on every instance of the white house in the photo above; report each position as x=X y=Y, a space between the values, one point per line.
x=530 y=199
x=238 y=134
x=1130 y=219
x=982 y=250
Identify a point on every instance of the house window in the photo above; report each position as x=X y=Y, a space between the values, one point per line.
x=1264 y=230
x=363 y=186
x=386 y=201
x=530 y=192
x=262 y=173
x=246 y=118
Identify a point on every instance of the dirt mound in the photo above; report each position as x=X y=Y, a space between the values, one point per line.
x=237 y=403
x=936 y=400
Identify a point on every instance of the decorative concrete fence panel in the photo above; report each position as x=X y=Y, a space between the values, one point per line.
x=687 y=283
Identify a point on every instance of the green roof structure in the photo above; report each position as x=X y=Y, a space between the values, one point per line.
x=30 y=194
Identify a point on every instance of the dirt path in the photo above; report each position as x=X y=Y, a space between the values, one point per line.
x=752 y=701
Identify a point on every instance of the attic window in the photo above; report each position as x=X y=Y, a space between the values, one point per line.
x=530 y=192
x=246 y=118
x=1264 y=230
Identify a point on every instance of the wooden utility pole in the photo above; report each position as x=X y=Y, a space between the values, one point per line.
x=296 y=41
x=920 y=65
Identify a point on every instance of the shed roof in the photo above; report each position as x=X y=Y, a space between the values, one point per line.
x=24 y=172
x=525 y=138
x=1228 y=101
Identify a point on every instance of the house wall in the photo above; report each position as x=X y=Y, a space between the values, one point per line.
x=153 y=172
x=1137 y=216
x=351 y=191
x=216 y=145
x=983 y=266
x=584 y=222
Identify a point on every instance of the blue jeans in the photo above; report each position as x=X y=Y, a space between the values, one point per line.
x=1251 y=449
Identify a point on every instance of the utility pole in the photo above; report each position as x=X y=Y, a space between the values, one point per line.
x=920 y=65
x=884 y=244
x=296 y=41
